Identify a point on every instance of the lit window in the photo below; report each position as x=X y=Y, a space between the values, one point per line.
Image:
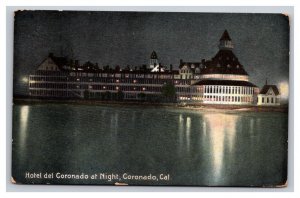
x=144 y=88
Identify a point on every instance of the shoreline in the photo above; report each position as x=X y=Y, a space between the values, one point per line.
x=194 y=106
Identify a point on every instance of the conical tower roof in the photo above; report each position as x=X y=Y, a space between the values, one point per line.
x=153 y=55
x=225 y=36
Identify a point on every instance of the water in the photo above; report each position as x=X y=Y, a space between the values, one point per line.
x=192 y=147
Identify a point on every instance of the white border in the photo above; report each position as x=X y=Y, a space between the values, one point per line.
x=8 y=96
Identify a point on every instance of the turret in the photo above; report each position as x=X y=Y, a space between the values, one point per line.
x=225 y=42
x=153 y=60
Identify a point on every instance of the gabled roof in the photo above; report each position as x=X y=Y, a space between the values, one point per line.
x=266 y=88
x=191 y=66
x=225 y=36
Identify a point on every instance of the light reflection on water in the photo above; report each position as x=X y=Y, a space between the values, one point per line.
x=24 y=114
x=188 y=133
x=251 y=126
x=180 y=132
x=114 y=123
x=204 y=128
x=222 y=131
x=210 y=148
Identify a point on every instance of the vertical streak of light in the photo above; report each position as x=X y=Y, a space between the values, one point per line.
x=230 y=128
x=220 y=125
x=251 y=126
x=251 y=132
x=204 y=128
x=24 y=113
x=188 y=133
x=180 y=133
x=114 y=123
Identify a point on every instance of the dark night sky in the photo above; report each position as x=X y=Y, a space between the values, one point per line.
x=261 y=40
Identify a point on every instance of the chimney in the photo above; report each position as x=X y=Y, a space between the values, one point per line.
x=50 y=55
x=181 y=61
x=76 y=62
x=171 y=67
x=203 y=61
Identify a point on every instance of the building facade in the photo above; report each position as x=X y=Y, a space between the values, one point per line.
x=221 y=80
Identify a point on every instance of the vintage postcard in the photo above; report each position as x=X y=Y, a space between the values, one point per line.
x=150 y=98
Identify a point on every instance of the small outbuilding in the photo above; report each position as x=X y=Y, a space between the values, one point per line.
x=269 y=95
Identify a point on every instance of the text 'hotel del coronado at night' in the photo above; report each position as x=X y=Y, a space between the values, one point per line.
x=221 y=80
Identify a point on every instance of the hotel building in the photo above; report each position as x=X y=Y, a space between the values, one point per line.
x=221 y=80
